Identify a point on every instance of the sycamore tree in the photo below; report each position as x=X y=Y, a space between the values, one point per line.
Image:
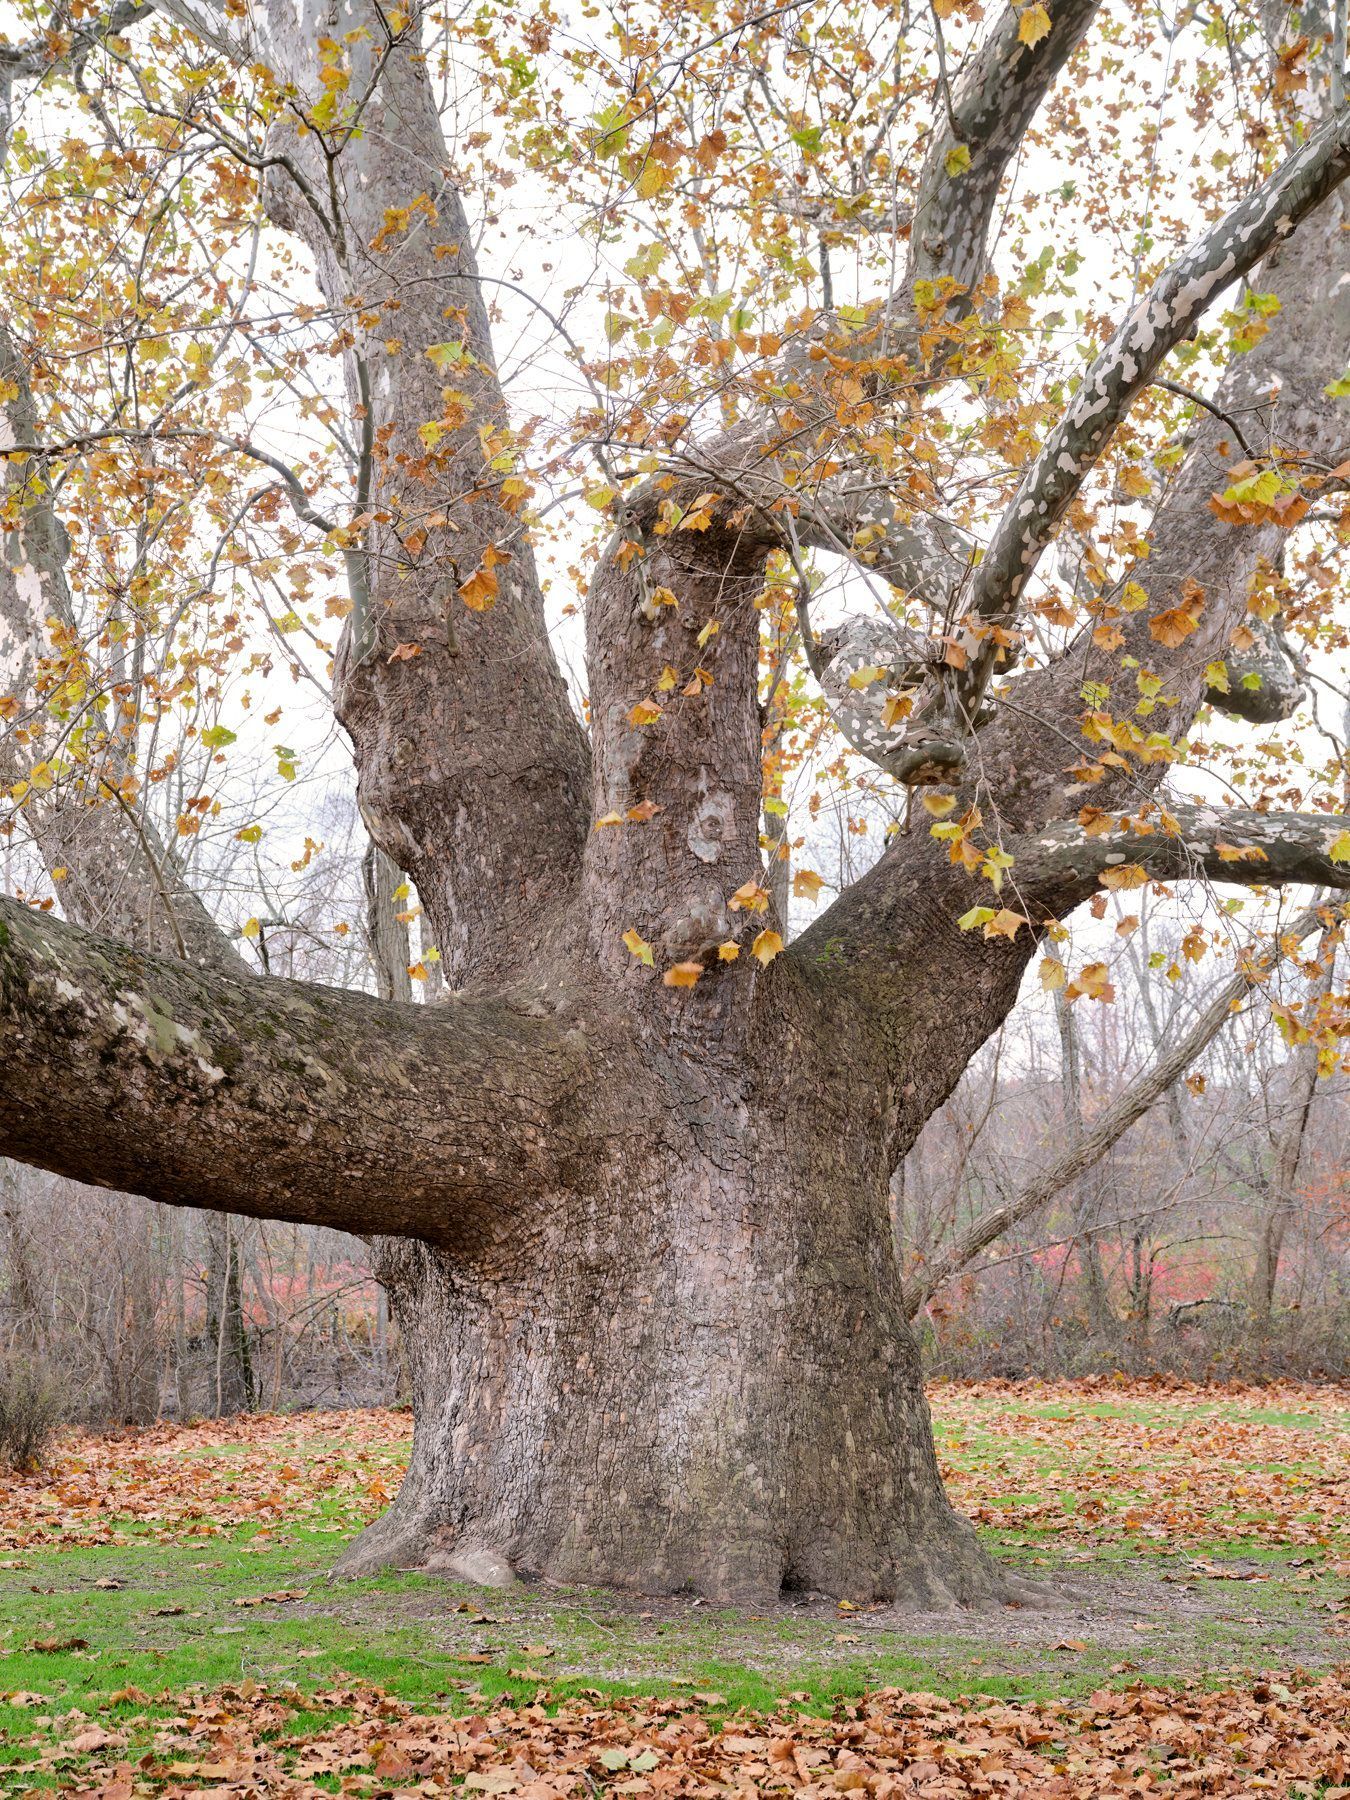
x=1026 y=328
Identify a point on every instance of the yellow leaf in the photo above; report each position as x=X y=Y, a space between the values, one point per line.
x=766 y=946
x=751 y=896
x=863 y=678
x=1033 y=25
x=1127 y=875
x=1340 y=850
x=654 y=176
x=682 y=974
x=938 y=804
x=638 y=946
x=646 y=712
x=806 y=884
x=1053 y=974
x=728 y=952
x=609 y=818
x=251 y=929
x=977 y=916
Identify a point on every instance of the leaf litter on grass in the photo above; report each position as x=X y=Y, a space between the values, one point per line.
x=325 y=1471
x=1174 y=1461
x=251 y=1741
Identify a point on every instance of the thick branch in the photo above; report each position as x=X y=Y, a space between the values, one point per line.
x=121 y=878
x=996 y=95
x=1232 y=844
x=1107 y=1128
x=282 y=1099
x=1279 y=387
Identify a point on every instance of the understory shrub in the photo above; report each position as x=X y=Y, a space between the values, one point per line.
x=32 y=1409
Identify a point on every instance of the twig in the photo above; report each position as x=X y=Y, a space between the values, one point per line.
x=1184 y=393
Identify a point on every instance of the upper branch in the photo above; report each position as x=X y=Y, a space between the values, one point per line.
x=1126 y=366
x=993 y=101
x=282 y=1099
x=996 y=94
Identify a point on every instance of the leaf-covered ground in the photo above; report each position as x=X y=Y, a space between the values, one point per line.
x=166 y=1627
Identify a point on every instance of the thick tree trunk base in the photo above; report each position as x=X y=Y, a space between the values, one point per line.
x=699 y=1390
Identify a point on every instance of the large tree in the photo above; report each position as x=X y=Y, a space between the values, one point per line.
x=627 y=1184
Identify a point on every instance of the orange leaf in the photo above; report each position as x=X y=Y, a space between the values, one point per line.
x=479 y=592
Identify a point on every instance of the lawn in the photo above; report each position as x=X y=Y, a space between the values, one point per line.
x=167 y=1626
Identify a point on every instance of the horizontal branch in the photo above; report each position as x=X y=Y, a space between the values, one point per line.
x=1109 y=1126
x=281 y=1099
x=1232 y=844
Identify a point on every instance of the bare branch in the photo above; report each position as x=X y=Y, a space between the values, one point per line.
x=1110 y=1124
x=1209 y=406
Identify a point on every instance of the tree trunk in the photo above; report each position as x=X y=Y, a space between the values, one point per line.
x=230 y=1378
x=1087 y=1199
x=700 y=1381
x=1282 y=1195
